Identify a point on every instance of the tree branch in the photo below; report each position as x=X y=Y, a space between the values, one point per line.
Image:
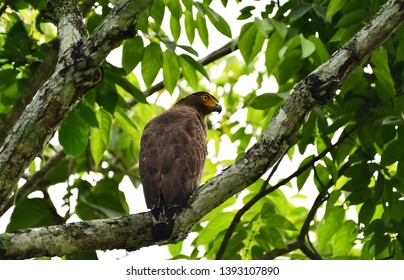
x=126 y=232
x=133 y=232
x=4 y=6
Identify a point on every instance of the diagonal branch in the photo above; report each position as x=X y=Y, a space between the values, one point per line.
x=4 y=6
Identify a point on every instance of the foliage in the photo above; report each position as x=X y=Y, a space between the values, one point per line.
x=352 y=147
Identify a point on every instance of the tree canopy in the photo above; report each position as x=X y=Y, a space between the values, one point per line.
x=313 y=103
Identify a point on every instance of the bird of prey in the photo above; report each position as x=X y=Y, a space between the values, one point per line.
x=172 y=157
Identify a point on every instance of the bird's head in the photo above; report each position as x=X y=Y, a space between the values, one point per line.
x=203 y=102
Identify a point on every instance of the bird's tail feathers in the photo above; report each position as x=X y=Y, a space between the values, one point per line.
x=163 y=221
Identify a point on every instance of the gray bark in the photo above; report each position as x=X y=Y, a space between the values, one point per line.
x=133 y=232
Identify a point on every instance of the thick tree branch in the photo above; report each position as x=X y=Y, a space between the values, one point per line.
x=129 y=232
x=134 y=231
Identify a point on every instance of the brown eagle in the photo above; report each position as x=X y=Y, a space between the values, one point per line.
x=172 y=157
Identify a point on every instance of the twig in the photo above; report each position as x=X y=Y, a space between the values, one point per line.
x=4 y=7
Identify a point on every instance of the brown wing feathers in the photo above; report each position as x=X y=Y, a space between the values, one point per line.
x=172 y=156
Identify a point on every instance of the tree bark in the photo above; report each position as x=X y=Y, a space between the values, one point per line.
x=133 y=232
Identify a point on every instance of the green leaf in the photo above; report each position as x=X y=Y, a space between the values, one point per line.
x=7 y=76
x=188 y=49
x=322 y=177
x=73 y=134
x=344 y=238
x=175 y=249
x=218 y=21
x=92 y=21
x=266 y=101
x=298 y=11
x=123 y=82
x=171 y=70
x=175 y=8
x=189 y=26
x=86 y=112
x=59 y=173
x=175 y=28
x=189 y=73
x=31 y=213
x=126 y=123
x=100 y=136
x=334 y=7
x=366 y=212
x=272 y=236
x=236 y=244
x=302 y=177
x=400 y=51
x=359 y=196
x=89 y=255
x=10 y=93
x=397 y=211
x=105 y=200
x=245 y=12
x=275 y=43
x=196 y=65
x=151 y=63
x=280 y=27
x=250 y=41
x=267 y=210
x=188 y=4
x=157 y=11
x=308 y=47
x=384 y=82
x=202 y=28
x=329 y=226
x=280 y=222
x=321 y=49
x=391 y=154
x=132 y=52
x=352 y=17
x=216 y=225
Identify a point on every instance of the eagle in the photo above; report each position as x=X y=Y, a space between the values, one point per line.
x=172 y=157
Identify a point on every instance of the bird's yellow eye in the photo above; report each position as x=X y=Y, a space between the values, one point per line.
x=205 y=97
